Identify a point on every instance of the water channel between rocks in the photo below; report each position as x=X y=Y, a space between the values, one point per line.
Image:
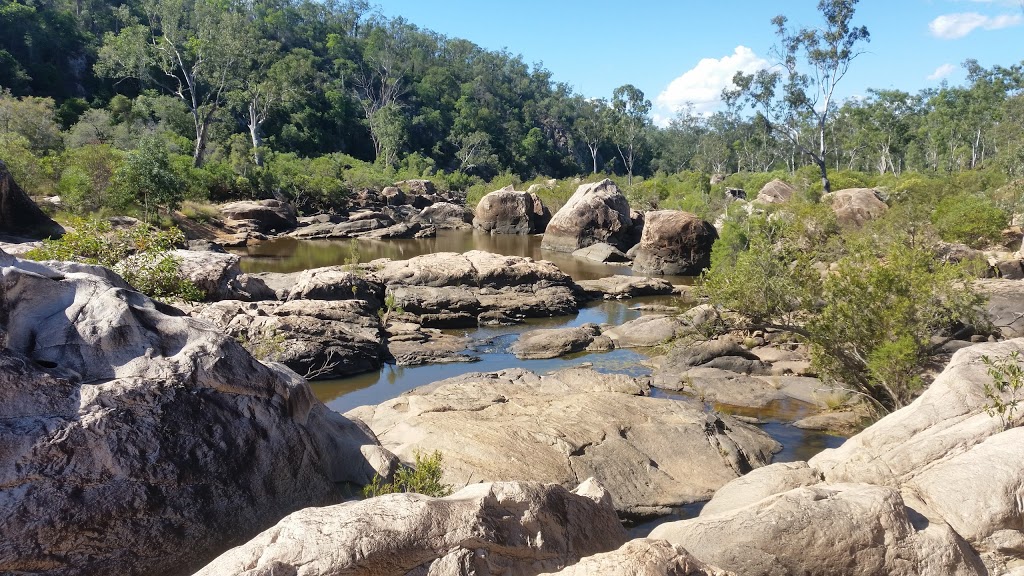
x=490 y=344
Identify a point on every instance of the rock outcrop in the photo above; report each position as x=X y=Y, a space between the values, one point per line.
x=856 y=206
x=554 y=342
x=674 y=242
x=136 y=440
x=262 y=216
x=507 y=211
x=19 y=215
x=445 y=216
x=514 y=528
x=566 y=427
x=933 y=488
x=596 y=212
x=621 y=286
x=513 y=286
x=775 y=192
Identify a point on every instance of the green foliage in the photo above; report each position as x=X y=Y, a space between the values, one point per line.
x=869 y=318
x=424 y=477
x=390 y=307
x=265 y=346
x=147 y=177
x=969 y=219
x=1003 y=393
x=140 y=254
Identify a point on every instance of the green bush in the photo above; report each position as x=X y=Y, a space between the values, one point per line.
x=424 y=477
x=140 y=254
x=969 y=219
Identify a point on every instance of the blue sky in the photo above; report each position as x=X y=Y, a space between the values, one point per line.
x=685 y=50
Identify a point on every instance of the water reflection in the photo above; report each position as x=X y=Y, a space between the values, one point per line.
x=291 y=255
x=490 y=344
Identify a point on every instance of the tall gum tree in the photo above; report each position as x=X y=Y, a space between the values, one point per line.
x=188 y=48
x=811 y=62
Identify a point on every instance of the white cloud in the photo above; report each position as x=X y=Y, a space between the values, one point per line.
x=942 y=71
x=953 y=26
x=702 y=85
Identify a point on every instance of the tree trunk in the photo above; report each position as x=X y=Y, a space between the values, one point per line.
x=826 y=186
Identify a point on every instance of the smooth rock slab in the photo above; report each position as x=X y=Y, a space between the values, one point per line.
x=512 y=528
x=622 y=286
x=568 y=426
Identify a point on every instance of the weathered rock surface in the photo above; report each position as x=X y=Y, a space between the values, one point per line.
x=440 y=307
x=263 y=216
x=933 y=488
x=856 y=206
x=596 y=212
x=601 y=252
x=401 y=230
x=1005 y=305
x=853 y=529
x=642 y=557
x=775 y=192
x=154 y=441
x=316 y=338
x=648 y=330
x=214 y=273
x=19 y=215
x=513 y=528
x=507 y=211
x=446 y=216
x=672 y=369
x=511 y=285
x=554 y=342
x=674 y=242
x=411 y=344
x=568 y=426
x=334 y=283
x=622 y=286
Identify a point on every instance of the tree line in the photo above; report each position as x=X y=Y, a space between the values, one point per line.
x=272 y=95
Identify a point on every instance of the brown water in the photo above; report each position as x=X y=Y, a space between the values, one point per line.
x=291 y=255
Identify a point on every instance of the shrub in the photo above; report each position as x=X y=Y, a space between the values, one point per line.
x=424 y=477
x=969 y=219
x=140 y=254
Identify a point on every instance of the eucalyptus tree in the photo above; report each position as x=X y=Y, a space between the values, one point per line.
x=801 y=89
x=191 y=49
x=591 y=126
x=631 y=125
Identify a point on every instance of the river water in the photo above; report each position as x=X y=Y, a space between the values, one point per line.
x=490 y=344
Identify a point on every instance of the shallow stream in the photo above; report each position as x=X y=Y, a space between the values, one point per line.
x=490 y=344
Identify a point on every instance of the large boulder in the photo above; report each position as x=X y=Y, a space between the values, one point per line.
x=674 y=242
x=335 y=283
x=775 y=192
x=316 y=338
x=215 y=273
x=507 y=211
x=554 y=342
x=596 y=212
x=933 y=488
x=136 y=440
x=1004 y=305
x=567 y=426
x=445 y=216
x=263 y=216
x=856 y=206
x=513 y=528
x=19 y=215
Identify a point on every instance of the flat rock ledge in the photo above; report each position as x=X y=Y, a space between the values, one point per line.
x=566 y=427
x=514 y=528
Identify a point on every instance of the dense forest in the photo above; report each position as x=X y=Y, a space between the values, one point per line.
x=213 y=99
